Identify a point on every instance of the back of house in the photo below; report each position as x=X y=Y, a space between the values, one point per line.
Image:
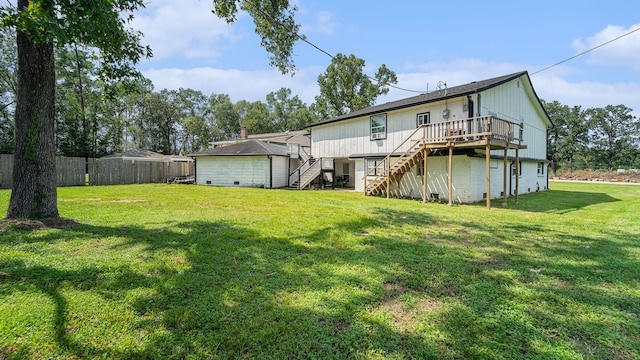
x=463 y=143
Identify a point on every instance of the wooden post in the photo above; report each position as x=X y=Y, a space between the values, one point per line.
x=366 y=173
x=488 y=174
x=450 y=180
x=388 y=166
x=517 y=174
x=424 y=175
x=504 y=180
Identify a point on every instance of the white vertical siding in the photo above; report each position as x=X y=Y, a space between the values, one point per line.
x=514 y=101
x=227 y=170
x=280 y=171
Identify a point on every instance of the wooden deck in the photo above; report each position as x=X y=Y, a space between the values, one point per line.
x=485 y=132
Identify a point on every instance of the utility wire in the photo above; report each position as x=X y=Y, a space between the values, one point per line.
x=584 y=52
x=304 y=39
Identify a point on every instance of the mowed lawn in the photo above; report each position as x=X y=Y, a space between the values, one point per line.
x=180 y=271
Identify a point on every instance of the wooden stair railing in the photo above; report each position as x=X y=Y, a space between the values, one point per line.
x=399 y=166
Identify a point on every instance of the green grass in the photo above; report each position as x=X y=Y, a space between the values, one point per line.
x=177 y=271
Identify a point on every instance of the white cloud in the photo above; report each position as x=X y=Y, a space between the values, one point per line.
x=588 y=93
x=186 y=28
x=240 y=85
x=624 y=51
x=322 y=24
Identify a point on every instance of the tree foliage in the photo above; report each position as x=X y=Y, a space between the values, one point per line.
x=274 y=23
x=614 y=136
x=596 y=138
x=8 y=87
x=344 y=87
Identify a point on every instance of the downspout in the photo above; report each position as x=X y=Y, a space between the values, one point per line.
x=195 y=172
x=511 y=178
x=270 y=171
x=289 y=168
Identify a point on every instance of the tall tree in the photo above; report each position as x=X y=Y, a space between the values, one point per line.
x=283 y=108
x=569 y=135
x=227 y=119
x=255 y=117
x=344 y=87
x=194 y=129
x=615 y=134
x=39 y=25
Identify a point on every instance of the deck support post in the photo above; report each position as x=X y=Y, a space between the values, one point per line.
x=450 y=180
x=517 y=175
x=388 y=165
x=424 y=174
x=488 y=174
x=504 y=180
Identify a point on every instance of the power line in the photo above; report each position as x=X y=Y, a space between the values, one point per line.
x=304 y=39
x=586 y=51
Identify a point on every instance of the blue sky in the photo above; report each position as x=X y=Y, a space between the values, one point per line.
x=423 y=42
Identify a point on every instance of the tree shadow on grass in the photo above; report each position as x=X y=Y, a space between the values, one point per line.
x=554 y=201
x=375 y=286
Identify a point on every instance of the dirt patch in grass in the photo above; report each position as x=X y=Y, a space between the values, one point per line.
x=31 y=225
x=593 y=175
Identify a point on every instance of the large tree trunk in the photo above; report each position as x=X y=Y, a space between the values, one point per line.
x=34 y=170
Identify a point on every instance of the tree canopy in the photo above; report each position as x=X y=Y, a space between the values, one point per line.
x=344 y=87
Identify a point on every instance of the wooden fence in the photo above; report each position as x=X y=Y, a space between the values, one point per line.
x=71 y=171
x=119 y=171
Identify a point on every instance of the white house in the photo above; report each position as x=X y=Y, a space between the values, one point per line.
x=250 y=163
x=486 y=139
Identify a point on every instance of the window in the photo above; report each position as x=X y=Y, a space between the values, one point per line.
x=423 y=118
x=379 y=127
x=540 y=168
x=513 y=168
x=375 y=166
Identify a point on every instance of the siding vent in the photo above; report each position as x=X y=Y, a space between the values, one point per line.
x=484 y=195
x=434 y=196
x=208 y=182
x=236 y=182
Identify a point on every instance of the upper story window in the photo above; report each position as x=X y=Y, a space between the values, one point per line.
x=379 y=127
x=423 y=118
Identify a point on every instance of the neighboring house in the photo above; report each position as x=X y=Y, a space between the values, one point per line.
x=138 y=166
x=485 y=139
x=250 y=163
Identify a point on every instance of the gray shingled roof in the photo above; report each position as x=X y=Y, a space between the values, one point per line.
x=246 y=148
x=452 y=92
x=142 y=154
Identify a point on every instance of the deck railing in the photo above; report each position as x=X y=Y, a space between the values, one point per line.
x=450 y=131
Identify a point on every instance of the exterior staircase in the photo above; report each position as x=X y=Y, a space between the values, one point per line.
x=395 y=170
x=305 y=174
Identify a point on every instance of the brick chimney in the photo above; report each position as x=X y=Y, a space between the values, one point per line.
x=244 y=134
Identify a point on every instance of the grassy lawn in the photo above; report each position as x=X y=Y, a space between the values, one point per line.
x=178 y=271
